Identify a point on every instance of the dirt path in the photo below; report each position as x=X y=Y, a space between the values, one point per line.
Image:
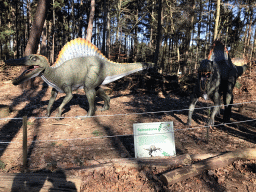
x=75 y=141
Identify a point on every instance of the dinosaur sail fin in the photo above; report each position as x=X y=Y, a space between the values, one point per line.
x=219 y=53
x=77 y=48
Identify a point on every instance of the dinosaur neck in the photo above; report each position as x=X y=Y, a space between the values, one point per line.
x=49 y=76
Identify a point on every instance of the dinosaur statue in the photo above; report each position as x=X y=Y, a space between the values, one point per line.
x=216 y=77
x=79 y=65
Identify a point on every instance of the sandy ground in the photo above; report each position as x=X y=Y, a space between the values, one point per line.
x=77 y=142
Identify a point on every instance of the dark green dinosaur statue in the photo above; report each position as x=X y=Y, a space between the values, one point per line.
x=79 y=65
x=216 y=76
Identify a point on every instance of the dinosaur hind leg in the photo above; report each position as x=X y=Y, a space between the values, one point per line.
x=192 y=105
x=101 y=93
x=54 y=94
x=216 y=108
x=68 y=91
x=227 y=112
x=91 y=94
x=228 y=101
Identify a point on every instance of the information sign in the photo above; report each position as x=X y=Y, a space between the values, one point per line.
x=154 y=139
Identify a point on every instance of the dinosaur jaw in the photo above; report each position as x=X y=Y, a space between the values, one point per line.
x=29 y=73
x=32 y=70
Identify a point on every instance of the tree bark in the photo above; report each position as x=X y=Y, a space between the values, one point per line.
x=103 y=48
x=159 y=32
x=80 y=19
x=90 y=23
x=43 y=50
x=35 y=33
x=217 y=20
x=53 y=36
x=37 y=27
x=108 y=36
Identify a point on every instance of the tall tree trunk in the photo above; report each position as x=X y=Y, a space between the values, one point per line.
x=254 y=45
x=108 y=35
x=208 y=28
x=53 y=36
x=245 y=39
x=68 y=32
x=81 y=19
x=28 y=19
x=188 y=35
x=135 y=49
x=24 y=34
x=118 y=19
x=217 y=20
x=37 y=27
x=159 y=32
x=17 y=15
x=35 y=33
x=43 y=50
x=105 y=10
x=14 y=21
x=198 y=44
x=73 y=33
x=151 y=27
x=49 y=29
x=90 y=23
x=247 y=45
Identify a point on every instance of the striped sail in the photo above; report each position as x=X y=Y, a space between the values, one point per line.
x=77 y=48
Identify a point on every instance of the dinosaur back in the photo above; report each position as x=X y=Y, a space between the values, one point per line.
x=219 y=55
x=77 y=48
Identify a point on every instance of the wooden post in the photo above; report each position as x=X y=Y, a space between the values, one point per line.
x=207 y=128
x=207 y=134
x=25 y=147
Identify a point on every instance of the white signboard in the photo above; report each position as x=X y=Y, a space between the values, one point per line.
x=154 y=139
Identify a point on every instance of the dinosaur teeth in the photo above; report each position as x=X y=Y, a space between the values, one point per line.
x=31 y=68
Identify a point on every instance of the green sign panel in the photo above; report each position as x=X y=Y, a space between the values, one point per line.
x=154 y=139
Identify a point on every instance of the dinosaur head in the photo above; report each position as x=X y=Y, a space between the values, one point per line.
x=36 y=64
x=205 y=73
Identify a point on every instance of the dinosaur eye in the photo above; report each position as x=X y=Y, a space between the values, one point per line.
x=34 y=58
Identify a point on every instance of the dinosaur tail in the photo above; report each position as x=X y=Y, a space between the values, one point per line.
x=120 y=70
x=241 y=69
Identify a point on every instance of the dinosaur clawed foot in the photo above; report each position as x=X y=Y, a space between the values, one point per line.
x=58 y=117
x=105 y=108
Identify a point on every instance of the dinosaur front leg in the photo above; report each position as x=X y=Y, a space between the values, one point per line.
x=54 y=94
x=191 y=109
x=101 y=93
x=216 y=108
x=68 y=97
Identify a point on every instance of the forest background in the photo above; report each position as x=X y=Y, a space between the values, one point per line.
x=174 y=34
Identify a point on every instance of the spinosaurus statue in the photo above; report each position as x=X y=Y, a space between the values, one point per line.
x=79 y=65
x=217 y=76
